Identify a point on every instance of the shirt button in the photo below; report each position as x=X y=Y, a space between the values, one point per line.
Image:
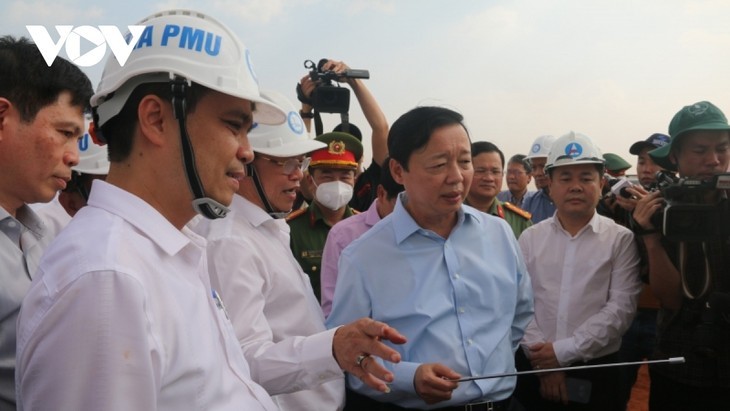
x=470 y=341
x=457 y=276
x=314 y=268
x=461 y=310
x=11 y=224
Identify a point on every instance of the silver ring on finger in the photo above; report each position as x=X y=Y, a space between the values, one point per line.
x=360 y=358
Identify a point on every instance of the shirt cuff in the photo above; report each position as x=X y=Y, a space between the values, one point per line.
x=317 y=355
x=565 y=351
x=403 y=374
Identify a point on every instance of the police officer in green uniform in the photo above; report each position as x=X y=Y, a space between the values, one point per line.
x=332 y=172
x=488 y=162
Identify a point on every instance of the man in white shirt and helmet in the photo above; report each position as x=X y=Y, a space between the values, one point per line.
x=122 y=315
x=269 y=298
x=585 y=276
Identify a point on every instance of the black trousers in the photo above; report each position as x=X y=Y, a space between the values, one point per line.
x=359 y=402
x=604 y=394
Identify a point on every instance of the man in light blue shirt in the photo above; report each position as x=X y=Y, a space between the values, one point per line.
x=41 y=120
x=449 y=277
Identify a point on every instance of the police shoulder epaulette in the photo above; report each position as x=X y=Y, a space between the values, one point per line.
x=513 y=208
x=296 y=213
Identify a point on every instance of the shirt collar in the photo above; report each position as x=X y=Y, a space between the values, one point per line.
x=139 y=214
x=24 y=217
x=594 y=224
x=315 y=213
x=371 y=215
x=405 y=225
x=253 y=213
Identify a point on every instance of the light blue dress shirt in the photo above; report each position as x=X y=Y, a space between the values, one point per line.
x=463 y=301
x=539 y=205
x=22 y=241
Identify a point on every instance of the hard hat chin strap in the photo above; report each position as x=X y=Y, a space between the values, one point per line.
x=206 y=206
x=251 y=172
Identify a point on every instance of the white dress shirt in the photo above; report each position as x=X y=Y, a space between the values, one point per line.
x=54 y=216
x=273 y=309
x=121 y=316
x=585 y=286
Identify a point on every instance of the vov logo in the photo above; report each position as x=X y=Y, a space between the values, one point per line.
x=71 y=37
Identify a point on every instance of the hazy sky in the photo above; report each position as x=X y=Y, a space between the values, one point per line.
x=615 y=70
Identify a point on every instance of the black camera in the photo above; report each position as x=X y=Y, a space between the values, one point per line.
x=328 y=97
x=686 y=216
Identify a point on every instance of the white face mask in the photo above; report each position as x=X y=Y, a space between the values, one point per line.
x=333 y=194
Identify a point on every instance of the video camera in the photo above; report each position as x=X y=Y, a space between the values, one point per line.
x=327 y=97
x=686 y=216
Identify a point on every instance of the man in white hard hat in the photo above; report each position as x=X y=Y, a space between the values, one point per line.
x=269 y=298
x=127 y=319
x=585 y=275
x=540 y=205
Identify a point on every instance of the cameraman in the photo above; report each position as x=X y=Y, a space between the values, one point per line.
x=687 y=326
x=367 y=181
x=638 y=343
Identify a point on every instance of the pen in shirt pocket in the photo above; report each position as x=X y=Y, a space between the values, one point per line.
x=219 y=302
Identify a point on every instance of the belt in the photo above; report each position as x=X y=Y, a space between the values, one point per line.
x=481 y=406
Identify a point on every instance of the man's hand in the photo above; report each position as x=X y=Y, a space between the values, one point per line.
x=553 y=388
x=629 y=204
x=354 y=343
x=434 y=382
x=542 y=356
x=646 y=207
x=304 y=92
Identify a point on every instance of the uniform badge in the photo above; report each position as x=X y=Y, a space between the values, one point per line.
x=336 y=147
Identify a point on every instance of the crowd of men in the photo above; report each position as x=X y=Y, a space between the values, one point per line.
x=200 y=249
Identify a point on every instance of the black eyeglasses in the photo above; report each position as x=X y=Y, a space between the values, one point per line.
x=289 y=165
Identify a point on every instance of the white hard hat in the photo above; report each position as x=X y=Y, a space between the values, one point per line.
x=187 y=44
x=284 y=140
x=573 y=148
x=540 y=147
x=93 y=158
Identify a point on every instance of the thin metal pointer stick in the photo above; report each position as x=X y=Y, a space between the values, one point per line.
x=673 y=360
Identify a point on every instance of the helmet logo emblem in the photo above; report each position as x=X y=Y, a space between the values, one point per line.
x=336 y=147
x=295 y=122
x=573 y=150
x=698 y=109
x=536 y=148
